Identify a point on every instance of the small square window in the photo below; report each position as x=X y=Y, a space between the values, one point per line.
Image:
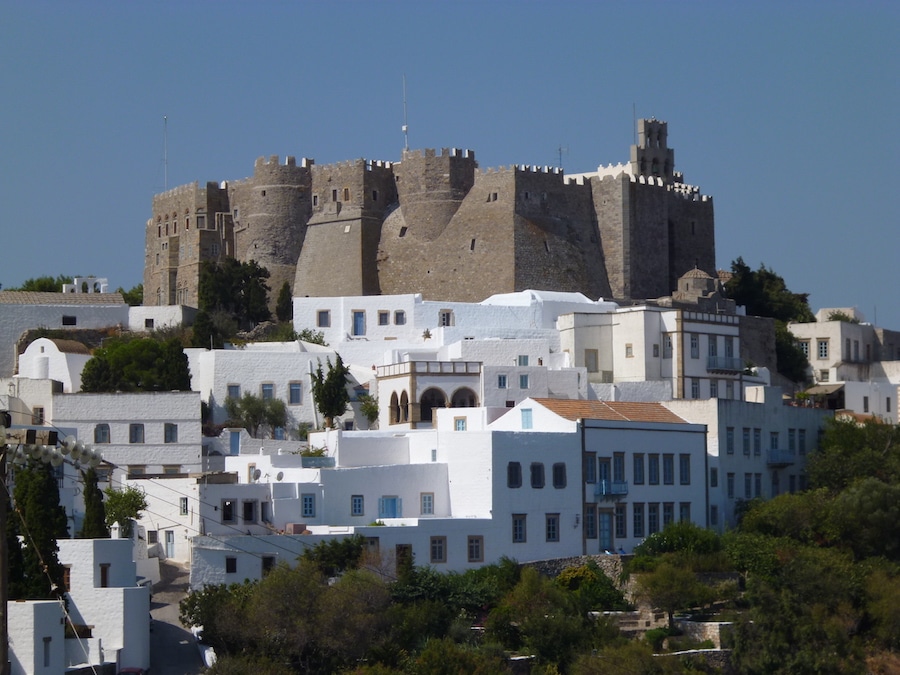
x=399 y=318
x=230 y=565
x=523 y=360
x=384 y=318
x=69 y=321
x=267 y=391
x=171 y=433
x=323 y=318
x=135 y=433
x=234 y=391
x=459 y=423
x=148 y=323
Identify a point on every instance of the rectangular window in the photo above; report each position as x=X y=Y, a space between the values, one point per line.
x=695 y=387
x=459 y=423
x=230 y=565
x=234 y=391
x=621 y=532
x=559 y=475
x=652 y=518
x=801 y=440
x=729 y=390
x=514 y=475
x=748 y=485
x=667 y=346
x=526 y=417
x=518 y=528
x=619 y=467
x=653 y=469
x=426 y=502
x=713 y=477
x=639 y=468
x=713 y=343
x=746 y=441
x=552 y=526
x=757 y=442
x=249 y=514
x=445 y=318
x=590 y=467
x=135 y=433
x=522 y=360
x=668 y=469
x=384 y=318
x=684 y=512
x=822 y=348
x=183 y=503
x=713 y=515
x=523 y=381
x=729 y=440
x=773 y=440
x=637 y=520
x=501 y=382
x=730 y=485
x=792 y=440
x=101 y=433
x=729 y=346
x=228 y=514
x=308 y=503
x=136 y=469
x=537 y=475
x=37 y=415
x=438 y=550
x=629 y=351
x=592 y=360
x=684 y=469
x=267 y=391
x=170 y=432
x=804 y=347
x=865 y=404
x=475 y=548
x=295 y=390
x=590 y=522
x=399 y=318
x=714 y=389
x=695 y=346
x=757 y=485
x=323 y=318
x=668 y=513
x=357 y=505
x=69 y=321
x=266 y=512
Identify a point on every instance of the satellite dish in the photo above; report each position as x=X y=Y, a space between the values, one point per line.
x=279 y=476
x=256 y=474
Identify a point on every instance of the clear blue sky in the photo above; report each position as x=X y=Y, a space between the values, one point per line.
x=786 y=113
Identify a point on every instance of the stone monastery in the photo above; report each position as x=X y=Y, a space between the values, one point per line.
x=436 y=224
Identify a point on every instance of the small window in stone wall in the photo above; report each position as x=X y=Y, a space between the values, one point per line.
x=315 y=200
x=403 y=231
x=374 y=195
x=346 y=194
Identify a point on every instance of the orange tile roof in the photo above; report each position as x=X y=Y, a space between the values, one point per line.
x=625 y=411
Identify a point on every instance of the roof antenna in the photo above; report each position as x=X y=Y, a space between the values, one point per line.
x=559 y=151
x=165 y=153
x=405 y=125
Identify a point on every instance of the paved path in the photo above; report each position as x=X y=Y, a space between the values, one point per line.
x=173 y=650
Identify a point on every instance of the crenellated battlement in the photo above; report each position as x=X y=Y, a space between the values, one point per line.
x=179 y=191
x=445 y=152
x=289 y=160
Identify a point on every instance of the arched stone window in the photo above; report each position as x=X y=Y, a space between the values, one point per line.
x=431 y=398
x=655 y=167
x=395 y=408
x=404 y=407
x=464 y=398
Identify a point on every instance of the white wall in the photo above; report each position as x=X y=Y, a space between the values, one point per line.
x=42 y=359
x=35 y=626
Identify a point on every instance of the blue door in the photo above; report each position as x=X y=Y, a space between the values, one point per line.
x=389 y=507
x=359 y=323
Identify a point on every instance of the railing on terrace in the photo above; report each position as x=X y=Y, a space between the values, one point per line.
x=611 y=488
x=317 y=462
x=430 y=368
x=724 y=364
x=779 y=457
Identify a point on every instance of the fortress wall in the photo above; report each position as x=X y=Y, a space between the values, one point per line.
x=557 y=244
x=691 y=233
x=611 y=198
x=647 y=253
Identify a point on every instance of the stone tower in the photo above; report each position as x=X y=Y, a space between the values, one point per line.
x=270 y=211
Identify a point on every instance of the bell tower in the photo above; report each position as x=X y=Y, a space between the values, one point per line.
x=652 y=156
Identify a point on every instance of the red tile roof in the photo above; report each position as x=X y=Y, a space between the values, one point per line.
x=625 y=411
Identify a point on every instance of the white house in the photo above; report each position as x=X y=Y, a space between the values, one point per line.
x=55 y=359
x=755 y=448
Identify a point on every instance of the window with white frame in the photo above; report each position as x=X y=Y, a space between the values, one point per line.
x=183 y=506
x=822 y=348
x=523 y=360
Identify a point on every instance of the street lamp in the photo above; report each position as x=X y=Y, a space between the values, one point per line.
x=18 y=445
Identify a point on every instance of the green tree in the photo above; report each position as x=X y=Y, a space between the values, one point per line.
x=42 y=522
x=849 y=451
x=368 y=406
x=17 y=585
x=336 y=555
x=315 y=337
x=124 y=506
x=592 y=588
x=235 y=288
x=330 y=390
x=256 y=414
x=94 y=525
x=220 y=609
x=671 y=588
x=284 y=306
x=44 y=284
x=205 y=333
x=141 y=364
x=134 y=296
x=764 y=293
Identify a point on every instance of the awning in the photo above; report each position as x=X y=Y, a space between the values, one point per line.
x=824 y=389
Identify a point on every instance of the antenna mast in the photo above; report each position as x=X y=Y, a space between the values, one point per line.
x=405 y=125
x=559 y=151
x=165 y=153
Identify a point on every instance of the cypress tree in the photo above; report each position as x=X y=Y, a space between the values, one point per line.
x=37 y=504
x=94 y=525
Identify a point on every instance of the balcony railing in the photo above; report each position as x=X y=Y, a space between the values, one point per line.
x=777 y=458
x=317 y=462
x=724 y=364
x=610 y=489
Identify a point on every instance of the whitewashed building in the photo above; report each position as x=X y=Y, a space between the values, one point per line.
x=55 y=359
